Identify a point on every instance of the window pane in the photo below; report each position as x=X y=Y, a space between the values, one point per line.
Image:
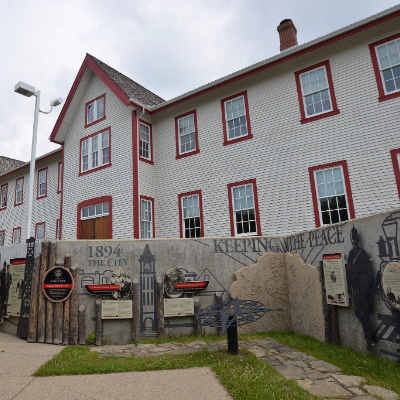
x=307 y=89
x=343 y=215
x=305 y=79
x=330 y=189
x=324 y=204
x=334 y=216
x=321 y=73
x=313 y=76
x=85 y=212
x=321 y=190
x=382 y=51
x=320 y=177
x=328 y=175
x=92 y=211
x=385 y=62
x=105 y=208
x=332 y=203
x=309 y=100
x=339 y=187
x=392 y=47
x=342 y=201
x=99 y=209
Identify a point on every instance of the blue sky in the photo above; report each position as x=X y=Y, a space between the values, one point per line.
x=169 y=47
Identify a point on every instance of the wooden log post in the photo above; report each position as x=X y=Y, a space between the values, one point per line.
x=197 y=325
x=160 y=307
x=34 y=306
x=41 y=329
x=82 y=325
x=218 y=298
x=58 y=322
x=135 y=310
x=65 y=327
x=98 y=323
x=50 y=306
x=73 y=310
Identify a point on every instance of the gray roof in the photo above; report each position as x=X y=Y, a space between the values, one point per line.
x=128 y=86
x=8 y=164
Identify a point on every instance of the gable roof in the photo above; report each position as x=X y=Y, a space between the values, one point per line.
x=16 y=165
x=8 y=164
x=128 y=86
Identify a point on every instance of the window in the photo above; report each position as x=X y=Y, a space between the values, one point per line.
x=58 y=229
x=395 y=154
x=3 y=196
x=236 y=118
x=60 y=177
x=95 y=152
x=2 y=238
x=19 y=192
x=243 y=205
x=40 y=231
x=16 y=237
x=98 y=210
x=186 y=136
x=95 y=111
x=42 y=183
x=315 y=91
x=385 y=55
x=146 y=142
x=332 y=199
x=191 y=215
x=147 y=217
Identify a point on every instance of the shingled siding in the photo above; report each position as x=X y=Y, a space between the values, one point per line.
x=8 y=164
x=43 y=210
x=282 y=149
x=115 y=181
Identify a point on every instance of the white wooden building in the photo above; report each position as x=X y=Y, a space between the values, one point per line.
x=305 y=138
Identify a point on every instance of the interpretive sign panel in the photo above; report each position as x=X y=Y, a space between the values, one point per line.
x=391 y=283
x=335 y=280
x=58 y=284
x=116 y=309
x=17 y=273
x=178 y=307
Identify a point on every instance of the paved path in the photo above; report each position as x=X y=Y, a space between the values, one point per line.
x=19 y=360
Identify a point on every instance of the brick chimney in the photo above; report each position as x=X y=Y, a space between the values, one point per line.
x=287 y=34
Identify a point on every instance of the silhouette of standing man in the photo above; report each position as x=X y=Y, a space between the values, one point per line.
x=360 y=280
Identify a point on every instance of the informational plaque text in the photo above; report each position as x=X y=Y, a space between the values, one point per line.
x=17 y=273
x=391 y=283
x=116 y=309
x=178 y=307
x=335 y=280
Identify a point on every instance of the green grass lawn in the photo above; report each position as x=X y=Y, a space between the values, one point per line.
x=244 y=376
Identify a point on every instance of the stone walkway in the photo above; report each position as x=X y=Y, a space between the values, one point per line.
x=318 y=377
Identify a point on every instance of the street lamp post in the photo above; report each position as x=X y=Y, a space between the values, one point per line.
x=28 y=91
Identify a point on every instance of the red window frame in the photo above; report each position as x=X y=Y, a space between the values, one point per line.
x=92 y=202
x=45 y=195
x=12 y=238
x=4 y=238
x=335 y=110
x=141 y=121
x=196 y=135
x=346 y=177
x=1 y=191
x=59 y=177
x=58 y=222
x=104 y=111
x=80 y=153
x=44 y=229
x=231 y=211
x=151 y=199
x=181 y=228
x=22 y=195
x=377 y=71
x=246 y=103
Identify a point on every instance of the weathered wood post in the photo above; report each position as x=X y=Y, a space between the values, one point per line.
x=41 y=330
x=135 y=310
x=33 y=311
x=73 y=309
x=82 y=325
x=67 y=303
x=160 y=307
x=49 y=306
x=98 y=322
x=218 y=298
x=197 y=325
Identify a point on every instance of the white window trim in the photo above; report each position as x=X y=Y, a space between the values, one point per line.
x=94 y=103
x=183 y=216
x=95 y=215
x=381 y=70
x=318 y=198
x=89 y=140
x=149 y=142
x=37 y=230
x=42 y=183
x=234 y=211
x=180 y=137
x=21 y=191
x=19 y=237
x=151 y=221
x=232 y=119
x=304 y=95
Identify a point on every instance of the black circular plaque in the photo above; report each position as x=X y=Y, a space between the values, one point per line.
x=58 y=284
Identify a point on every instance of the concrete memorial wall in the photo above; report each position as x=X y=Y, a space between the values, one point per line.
x=287 y=277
